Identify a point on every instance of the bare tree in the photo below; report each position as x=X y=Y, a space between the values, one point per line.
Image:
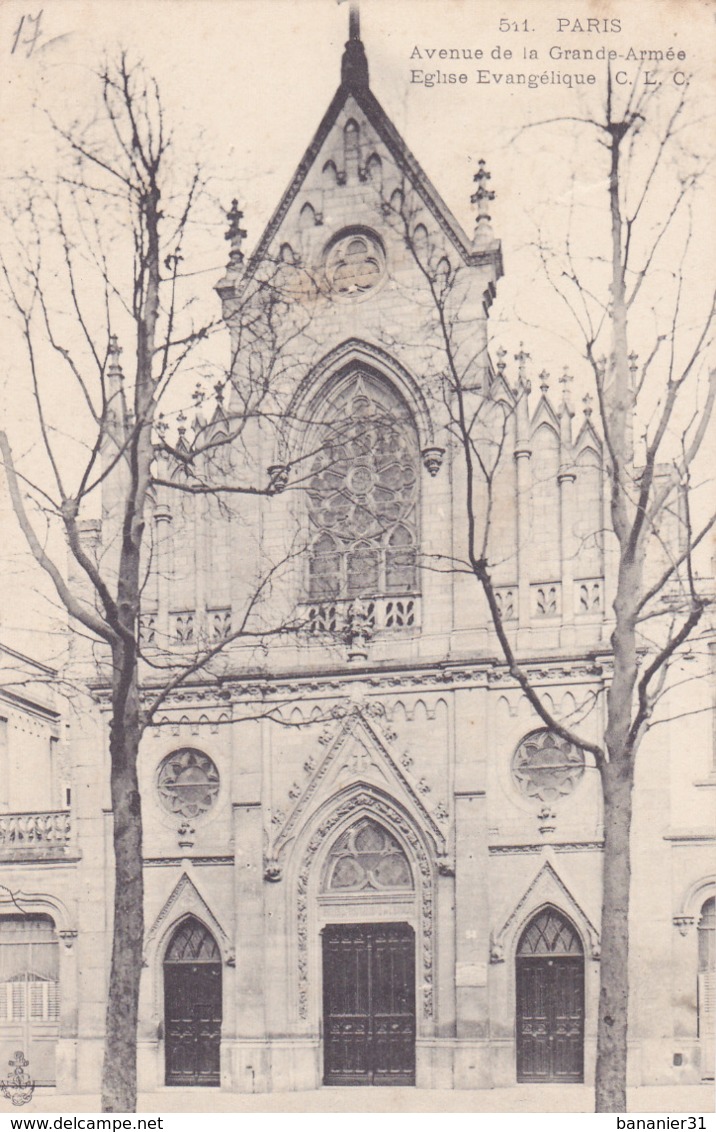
x=98 y=259
x=616 y=294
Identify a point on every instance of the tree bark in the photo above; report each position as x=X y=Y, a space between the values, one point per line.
x=610 y=1083
x=119 y=1074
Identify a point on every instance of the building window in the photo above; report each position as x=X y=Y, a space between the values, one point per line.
x=549 y=933
x=366 y=858
x=354 y=263
x=29 y=992
x=29 y=996
x=192 y=943
x=707 y=986
x=545 y=767
x=188 y=783
x=363 y=495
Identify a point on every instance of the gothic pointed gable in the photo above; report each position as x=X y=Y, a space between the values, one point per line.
x=358 y=753
x=185 y=899
x=352 y=140
x=546 y=888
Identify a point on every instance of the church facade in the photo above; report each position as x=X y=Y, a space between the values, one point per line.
x=367 y=861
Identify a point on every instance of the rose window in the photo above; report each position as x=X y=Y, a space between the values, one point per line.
x=366 y=857
x=546 y=767
x=188 y=783
x=363 y=496
x=355 y=264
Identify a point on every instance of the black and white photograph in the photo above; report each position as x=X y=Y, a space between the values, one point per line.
x=357 y=636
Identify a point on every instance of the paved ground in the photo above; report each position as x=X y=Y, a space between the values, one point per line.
x=523 y=1098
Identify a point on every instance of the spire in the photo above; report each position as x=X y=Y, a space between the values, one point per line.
x=354 y=65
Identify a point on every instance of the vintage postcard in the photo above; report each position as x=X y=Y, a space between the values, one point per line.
x=357 y=746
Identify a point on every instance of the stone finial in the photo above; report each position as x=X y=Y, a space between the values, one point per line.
x=114 y=368
x=501 y=364
x=544 y=382
x=587 y=400
x=235 y=234
x=181 y=430
x=565 y=381
x=482 y=197
x=522 y=357
x=354 y=64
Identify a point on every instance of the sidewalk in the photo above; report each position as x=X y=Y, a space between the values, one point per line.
x=522 y=1098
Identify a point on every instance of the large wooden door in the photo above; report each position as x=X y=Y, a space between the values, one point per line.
x=369 y=1004
x=192 y=1007
x=550 y=1001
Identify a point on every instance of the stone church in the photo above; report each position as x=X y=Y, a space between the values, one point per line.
x=367 y=861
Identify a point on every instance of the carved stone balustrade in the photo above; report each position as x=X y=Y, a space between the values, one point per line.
x=382 y=614
x=44 y=834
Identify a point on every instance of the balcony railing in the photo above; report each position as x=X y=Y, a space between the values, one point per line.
x=381 y=614
x=39 y=832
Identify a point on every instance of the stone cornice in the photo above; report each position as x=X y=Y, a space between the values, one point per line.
x=485 y=673
x=556 y=846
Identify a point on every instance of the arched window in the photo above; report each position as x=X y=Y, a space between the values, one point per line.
x=363 y=495
x=366 y=858
x=29 y=992
x=192 y=943
x=549 y=933
x=707 y=986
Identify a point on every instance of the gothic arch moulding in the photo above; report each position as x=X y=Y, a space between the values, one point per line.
x=184 y=900
x=547 y=888
x=331 y=821
x=351 y=357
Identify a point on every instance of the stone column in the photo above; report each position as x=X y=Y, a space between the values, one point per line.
x=162 y=534
x=523 y=457
x=567 y=511
x=250 y=1063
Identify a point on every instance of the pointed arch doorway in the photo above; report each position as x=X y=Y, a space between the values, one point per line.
x=192 y=1006
x=369 y=1019
x=549 y=980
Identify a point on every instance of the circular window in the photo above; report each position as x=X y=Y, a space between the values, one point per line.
x=188 y=783
x=546 y=767
x=355 y=263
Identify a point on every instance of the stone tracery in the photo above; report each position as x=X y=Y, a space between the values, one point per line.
x=363 y=495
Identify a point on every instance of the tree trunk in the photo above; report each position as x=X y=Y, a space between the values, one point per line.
x=119 y=1073
x=610 y=1083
